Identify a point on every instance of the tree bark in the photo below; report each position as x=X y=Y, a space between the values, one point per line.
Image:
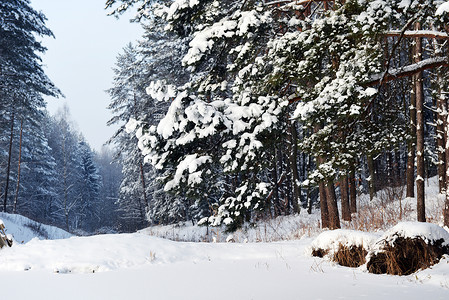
x=372 y=177
x=419 y=135
x=144 y=189
x=352 y=191
x=324 y=199
x=18 y=168
x=441 y=115
x=8 y=168
x=334 y=219
x=323 y=206
x=345 y=207
x=411 y=145
x=293 y=154
x=446 y=137
x=325 y=222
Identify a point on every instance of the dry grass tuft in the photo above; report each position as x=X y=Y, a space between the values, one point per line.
x=350 y=256
x=319 y=252
x=406 y=256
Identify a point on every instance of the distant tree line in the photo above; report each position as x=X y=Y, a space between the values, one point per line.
x=47 y=170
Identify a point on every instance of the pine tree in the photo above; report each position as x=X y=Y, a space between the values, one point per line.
x=22 y=78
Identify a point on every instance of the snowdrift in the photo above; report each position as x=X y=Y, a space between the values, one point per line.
x=348 y=248
x=23 y=229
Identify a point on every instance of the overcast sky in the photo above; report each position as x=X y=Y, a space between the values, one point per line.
x=80 y=59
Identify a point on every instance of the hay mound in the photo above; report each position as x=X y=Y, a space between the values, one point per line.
x=407 y=248
x=350 y=256
x=345 y=247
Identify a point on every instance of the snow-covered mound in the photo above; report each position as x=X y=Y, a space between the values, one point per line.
x=330 y=241
x=23 y=229
x=427 y=231
x=407 y=248
x=123 y=251
x=282 y=228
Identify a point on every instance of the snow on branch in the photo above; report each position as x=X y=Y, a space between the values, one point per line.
x=408 y=70
x=279 y=2
x=419 y=34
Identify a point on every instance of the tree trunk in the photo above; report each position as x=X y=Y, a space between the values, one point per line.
x=18 y=168
x=308 y=197
x=446 y=137
x=324 y=199
x=144 y=189
x=419 y=135
x=410 y=172
x=325 y=221
x=275 y=197
x=441 y=115
x=8 y=168
x=323 y=205
x=372 y=177
x=345 y=207
x=334 y=219
x=293 y=155
x=352 y=191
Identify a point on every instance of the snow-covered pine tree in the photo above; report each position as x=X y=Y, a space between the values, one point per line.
x=88 y=205
x=37 y=191
x=21 y=73
x=251 y=64
x=111 y=175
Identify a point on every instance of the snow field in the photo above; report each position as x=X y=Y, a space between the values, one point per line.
x=143 y=266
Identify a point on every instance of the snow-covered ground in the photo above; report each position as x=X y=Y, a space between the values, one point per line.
x=138 y=266
x=143 y=266
x=23 y=229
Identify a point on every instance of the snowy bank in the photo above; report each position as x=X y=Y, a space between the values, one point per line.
x=427 y=231
x=331 y=240
x=23 y=229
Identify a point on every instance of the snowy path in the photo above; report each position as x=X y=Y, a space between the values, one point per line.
x=136 y=266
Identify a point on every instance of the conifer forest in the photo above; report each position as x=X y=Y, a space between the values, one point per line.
x=233 y=111
x=247 y=110
x=283 y=148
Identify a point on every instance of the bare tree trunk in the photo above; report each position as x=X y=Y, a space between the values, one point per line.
x=8 y=168
x=275 y=198
x=309 y=199
x=441 y=115
x=410 y=172
x=372 y=177
x=352 y=191
x=445 y=117
x=293 y=155
x=345 y=209
x=334 y=219
x=325 y=221
x=142 y=178
x=419 y=135
x=18 y=168
x=323 y=205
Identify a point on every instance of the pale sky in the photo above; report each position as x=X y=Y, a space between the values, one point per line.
x=80 y=59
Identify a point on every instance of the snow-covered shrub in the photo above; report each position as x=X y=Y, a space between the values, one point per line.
x=407 y=248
